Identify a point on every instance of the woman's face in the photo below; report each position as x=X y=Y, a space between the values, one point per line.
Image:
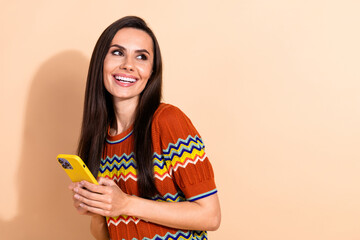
x=128 y=64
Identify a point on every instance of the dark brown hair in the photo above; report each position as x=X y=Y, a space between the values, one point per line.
x=99 y=113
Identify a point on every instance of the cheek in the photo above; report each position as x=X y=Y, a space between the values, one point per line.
x=145 y=70
x=108 y=65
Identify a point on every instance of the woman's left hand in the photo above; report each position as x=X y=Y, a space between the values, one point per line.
x=105 y=199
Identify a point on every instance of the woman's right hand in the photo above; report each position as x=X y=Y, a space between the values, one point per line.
x=77 y=202
x=98 y=225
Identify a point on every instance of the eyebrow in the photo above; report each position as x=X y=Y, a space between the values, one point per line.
x=122 y=48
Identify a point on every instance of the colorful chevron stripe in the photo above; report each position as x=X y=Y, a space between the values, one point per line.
x=180 y=235
x=184 y=152
x=178 y=197
x=121 y=219
x=184 y=144
x=123 y=167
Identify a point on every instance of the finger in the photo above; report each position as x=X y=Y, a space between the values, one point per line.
x=96 y=210
x=81 y=210
x=106 y=182
x=93 y=187
x=92 y=203
x=85 y=193
x=73 y=185
x=78 y=208
x=77 y=203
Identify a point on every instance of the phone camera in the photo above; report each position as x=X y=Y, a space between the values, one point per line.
x=65 y=163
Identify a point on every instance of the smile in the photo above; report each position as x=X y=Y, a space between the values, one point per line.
x=125 y=79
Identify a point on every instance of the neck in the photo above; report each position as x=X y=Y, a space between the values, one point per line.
x=125 y=114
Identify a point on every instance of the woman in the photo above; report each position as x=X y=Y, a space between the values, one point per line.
x=155 y=181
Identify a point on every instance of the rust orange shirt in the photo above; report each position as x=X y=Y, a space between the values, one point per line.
x=181 y=168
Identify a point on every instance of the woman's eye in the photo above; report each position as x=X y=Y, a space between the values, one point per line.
x=142 y=57
x=117 y=53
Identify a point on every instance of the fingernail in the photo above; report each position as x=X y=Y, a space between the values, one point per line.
x=76 y=196
x=76 y=189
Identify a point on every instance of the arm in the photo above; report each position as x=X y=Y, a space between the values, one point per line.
x=98 y=227
x=109 y=200
x=203 y=214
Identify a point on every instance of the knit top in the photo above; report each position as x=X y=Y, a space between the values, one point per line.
x=182 y=172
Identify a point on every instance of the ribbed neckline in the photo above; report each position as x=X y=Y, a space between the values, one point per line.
x=119 y=137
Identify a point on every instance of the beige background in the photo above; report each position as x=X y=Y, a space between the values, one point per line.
x=272 y=86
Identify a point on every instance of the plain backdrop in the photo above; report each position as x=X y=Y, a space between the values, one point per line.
x=272 y=86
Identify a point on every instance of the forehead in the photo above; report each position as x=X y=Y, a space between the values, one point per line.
x=132 y=39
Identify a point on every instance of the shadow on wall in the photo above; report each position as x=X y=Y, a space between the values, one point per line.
x=52 y=126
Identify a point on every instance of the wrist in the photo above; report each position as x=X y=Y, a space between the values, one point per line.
x=129 y=206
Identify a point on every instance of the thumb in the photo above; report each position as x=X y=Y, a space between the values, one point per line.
x=72 y=186
x=106 y=182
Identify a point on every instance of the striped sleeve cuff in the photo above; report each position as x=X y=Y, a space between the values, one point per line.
x=203 y=195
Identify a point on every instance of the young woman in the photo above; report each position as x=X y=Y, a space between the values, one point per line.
x=155 y=181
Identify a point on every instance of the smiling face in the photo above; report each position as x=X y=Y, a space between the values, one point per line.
x=128 y=64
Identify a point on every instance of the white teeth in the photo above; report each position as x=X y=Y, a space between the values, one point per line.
x=125 y=79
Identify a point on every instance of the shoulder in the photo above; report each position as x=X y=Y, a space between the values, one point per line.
x=170 y=120
x=169 y=113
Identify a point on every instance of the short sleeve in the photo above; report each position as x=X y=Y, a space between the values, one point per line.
x=183 y=151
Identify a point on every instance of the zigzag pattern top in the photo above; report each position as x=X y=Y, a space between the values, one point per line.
x=182 y=172
x=117 y=168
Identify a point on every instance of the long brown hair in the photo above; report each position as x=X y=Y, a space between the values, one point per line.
x=99 y=113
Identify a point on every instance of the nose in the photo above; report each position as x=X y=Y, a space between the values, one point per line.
x=127 y=64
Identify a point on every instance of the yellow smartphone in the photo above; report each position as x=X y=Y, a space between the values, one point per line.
x=75 y=168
